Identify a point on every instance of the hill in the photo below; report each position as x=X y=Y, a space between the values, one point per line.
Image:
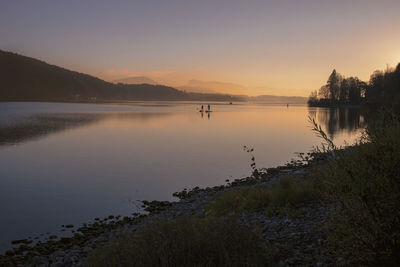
x=212 y=87
x=136 y=80
x=27 y=79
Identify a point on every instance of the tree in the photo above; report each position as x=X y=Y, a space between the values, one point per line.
x=344 y=91
x=313 y=98
x=376 y=86
x=324 y=92
x=314 y=95
x=354 y=90
x=383 y=89
x=333 y=84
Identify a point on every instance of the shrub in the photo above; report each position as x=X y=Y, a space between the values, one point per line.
x=284 y=195
x=364 y=184
x=185 y=241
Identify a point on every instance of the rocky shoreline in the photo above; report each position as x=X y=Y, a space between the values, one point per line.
x=298 y=240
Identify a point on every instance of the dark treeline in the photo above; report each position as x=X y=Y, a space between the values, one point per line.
x=383 y=88
x=28 y=79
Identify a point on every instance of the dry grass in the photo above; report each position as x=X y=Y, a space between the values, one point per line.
x=186 y=241
x=284 y=195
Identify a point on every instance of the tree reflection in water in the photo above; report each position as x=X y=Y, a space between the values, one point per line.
x=337 y=120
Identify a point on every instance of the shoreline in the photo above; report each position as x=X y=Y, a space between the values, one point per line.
x=73 y=251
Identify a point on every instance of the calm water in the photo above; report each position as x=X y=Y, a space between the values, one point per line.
x=69 y=163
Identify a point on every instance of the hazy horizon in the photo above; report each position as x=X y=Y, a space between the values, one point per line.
x=282 y=48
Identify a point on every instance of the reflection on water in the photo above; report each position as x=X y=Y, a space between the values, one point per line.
x=205 y=115
x=75 y=162
x=37 y=126
x=336 y=120
x=21 y=129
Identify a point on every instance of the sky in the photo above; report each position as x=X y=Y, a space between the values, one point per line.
x=282 y=47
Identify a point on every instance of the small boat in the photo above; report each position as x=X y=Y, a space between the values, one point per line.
x=208 y=111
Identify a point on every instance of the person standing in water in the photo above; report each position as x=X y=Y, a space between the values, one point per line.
x=208 y=107
x=202 y=109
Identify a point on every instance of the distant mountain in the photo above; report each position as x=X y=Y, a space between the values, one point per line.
x=199 y=86
x=136 y=80
x=279 y=99
x=194 y=89
x=27 y=79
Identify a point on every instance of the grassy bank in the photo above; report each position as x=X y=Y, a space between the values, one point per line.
x=283 y=196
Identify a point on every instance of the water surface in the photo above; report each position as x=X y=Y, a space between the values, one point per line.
x=69 y=163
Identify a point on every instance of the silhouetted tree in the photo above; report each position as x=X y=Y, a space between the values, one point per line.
x=355 y=88
x=333 y=84
x=375 y=88
x=383 y=89
x=313 y=98
x=324 y=92
x=344 y=91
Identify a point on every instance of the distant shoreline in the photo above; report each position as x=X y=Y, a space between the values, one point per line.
x=155 y=100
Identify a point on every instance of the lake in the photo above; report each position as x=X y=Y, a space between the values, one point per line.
x=69 y=163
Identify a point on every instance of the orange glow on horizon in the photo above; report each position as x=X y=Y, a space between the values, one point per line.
x=289 y=83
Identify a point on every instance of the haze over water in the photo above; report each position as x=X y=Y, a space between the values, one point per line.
x=69 y=163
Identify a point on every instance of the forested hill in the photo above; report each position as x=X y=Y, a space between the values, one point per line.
x=27 y=79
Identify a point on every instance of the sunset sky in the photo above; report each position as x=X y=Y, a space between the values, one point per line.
x=277 y=47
